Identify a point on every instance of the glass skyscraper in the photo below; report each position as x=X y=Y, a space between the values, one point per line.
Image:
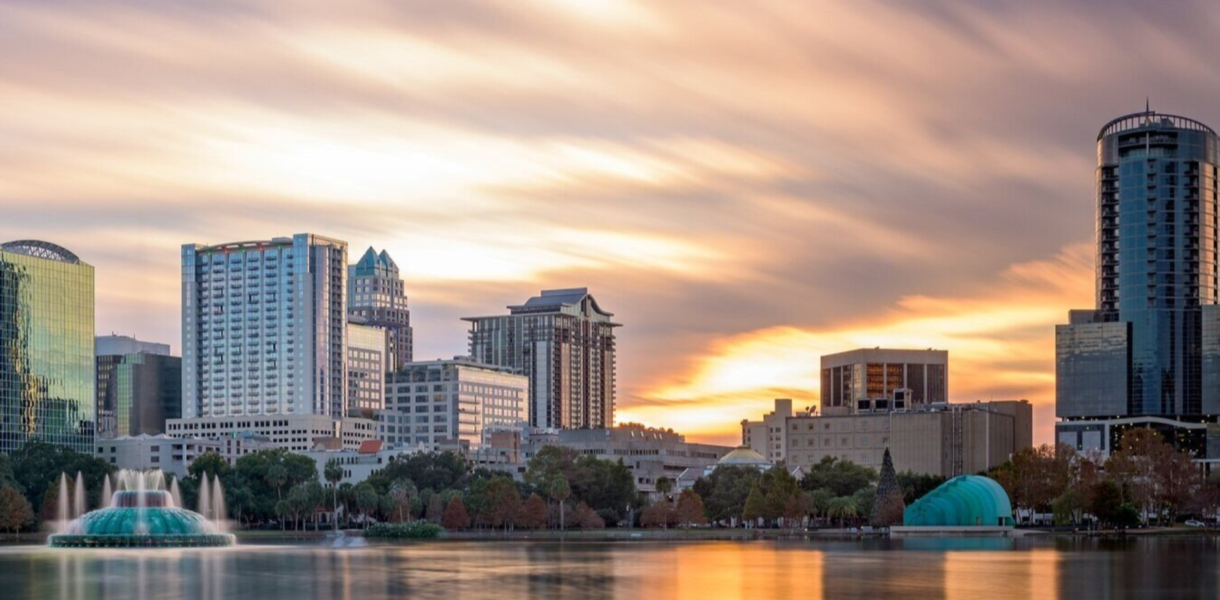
x=1140 y=353
x=46 y=347
x=377 y=297
x=139 y=386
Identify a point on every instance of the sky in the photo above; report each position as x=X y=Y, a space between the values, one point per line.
x=746 y=185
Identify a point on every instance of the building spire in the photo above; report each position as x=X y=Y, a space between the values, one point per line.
x=1147 y=105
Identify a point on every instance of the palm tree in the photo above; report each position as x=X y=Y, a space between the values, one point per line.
x=333 y=472
x=842 y=508
x=665 y=485
x=559 y=491
x=276 y=477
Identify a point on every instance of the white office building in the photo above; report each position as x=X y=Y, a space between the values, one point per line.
x=450 y=402
x=297 y=433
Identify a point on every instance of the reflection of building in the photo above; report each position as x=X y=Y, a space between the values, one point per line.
x=451 y=401
x=264 y=328
x=293 y=432
x=564 y=343
x=883 y=379
x=366 y=369
x=47 y=385
x=937 y=439
x=1142 y=356
x=139 y=386
x=376 y=296
x=768 y=437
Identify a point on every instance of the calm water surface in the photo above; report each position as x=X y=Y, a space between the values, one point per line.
x=879 y=570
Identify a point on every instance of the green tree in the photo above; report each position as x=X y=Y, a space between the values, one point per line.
x=277 y=476
x=367 y=500
x=843 y=508
x=37 y=466
x=841 y=477
x=503 y=502
x=725 y=491
x=559 y=492
x=403 y=492
x=333 y=472
x=664 y=486
x=211 y=463
x=15 y=511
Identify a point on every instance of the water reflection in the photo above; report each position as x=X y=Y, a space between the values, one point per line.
x=917 y=569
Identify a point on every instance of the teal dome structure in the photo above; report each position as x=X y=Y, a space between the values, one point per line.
x=145 y=519
x=964 y=501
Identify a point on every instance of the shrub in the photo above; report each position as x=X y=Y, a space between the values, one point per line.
x=417 y=530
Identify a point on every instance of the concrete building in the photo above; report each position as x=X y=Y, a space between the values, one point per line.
x=292 y=432
x=769 y=437
x=936 y=439
x=142 y=452
x=264 y=328
x=1148 y=353
x=377 y=297
x=879 y=379
x=649 y=453
x=451 y=402
x=367 y=353
x=47 y=379
x=139 y=386
x=563 y=342
x=358 y=464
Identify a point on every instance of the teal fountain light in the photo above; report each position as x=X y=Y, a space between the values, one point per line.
x=143 y=515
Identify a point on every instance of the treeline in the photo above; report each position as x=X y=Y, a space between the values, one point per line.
x=1145 y=480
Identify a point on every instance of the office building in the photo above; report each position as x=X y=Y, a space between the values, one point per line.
x=47 y=379
x=880 y=379
x=144 y=452
x=457 y=401
x=769 y=437
x=1139 y=357
x=935 y=439
x=377 y=297
x=367 y=353
x=264 y=328
x=297 y=433
x=139 y=386
x=563 y=342
x=357 y=464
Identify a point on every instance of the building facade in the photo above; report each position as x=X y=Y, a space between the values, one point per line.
x=264 y=328
x=144 y=452
x=943 y=440
x=564 y=343
x=451 y=401
x=769 y=437
x=367 y=353
x=1140 y=353
x=297 y=433
x=136 y=393
x=880 y=379
x=47 y=379
x=377 y=297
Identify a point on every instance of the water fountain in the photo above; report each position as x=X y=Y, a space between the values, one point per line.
x=141 y=514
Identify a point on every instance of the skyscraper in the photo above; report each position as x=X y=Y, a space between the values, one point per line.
x=366 y=369
x=1137 y=359
x=564 y=342
x=376 y=297
x=264 y=328
x=139 y=386
x=46 y=347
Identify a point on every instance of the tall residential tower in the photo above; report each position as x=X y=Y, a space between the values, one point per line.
x=47 y=389
x=264 y=328
x=564 y=343
x=1138 y=358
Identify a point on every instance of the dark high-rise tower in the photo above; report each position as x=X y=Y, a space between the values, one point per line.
x=1141 y=352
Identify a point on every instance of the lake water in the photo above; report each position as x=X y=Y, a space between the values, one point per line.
x=878 y=570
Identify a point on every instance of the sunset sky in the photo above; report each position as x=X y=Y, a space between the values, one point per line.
x=746 y=185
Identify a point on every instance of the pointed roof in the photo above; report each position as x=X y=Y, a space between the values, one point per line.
x=372 y=264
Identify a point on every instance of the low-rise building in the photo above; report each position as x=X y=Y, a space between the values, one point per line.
x=359 y=464
x=936 y=439
x=292 y=432
x=451 y=404
x=171 y=455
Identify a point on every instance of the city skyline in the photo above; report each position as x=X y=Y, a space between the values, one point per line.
x=726 y=231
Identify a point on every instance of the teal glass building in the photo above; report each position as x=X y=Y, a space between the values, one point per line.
x=47 y=386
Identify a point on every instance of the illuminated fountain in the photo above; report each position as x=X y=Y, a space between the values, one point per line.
x=141 y=514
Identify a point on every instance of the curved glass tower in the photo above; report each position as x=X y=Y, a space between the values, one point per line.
x=1156 y=251
x=46 y=347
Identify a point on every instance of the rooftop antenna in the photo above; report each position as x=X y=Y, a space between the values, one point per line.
x=1147 y=105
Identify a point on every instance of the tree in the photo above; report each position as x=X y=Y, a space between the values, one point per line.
x=659 y=514
x=817 y=502
x=690 y=511
x=503 y=501
x=754 y=506
x=724 y=492
x=559 y=491
x=37 y=465
x=435 y=507
x=888 y=504
x=664 y=486
x=15 y=511
x=403 y=493
x=916 y=486
x=277 y=476
x=1107 y=503
x=314 y=496
x=456 y=516
x=333 y=472
x=587 y=518
x=841 y=477
x=211 y=463
x=367 y=500
x=843 y=508
x=299 y=503
x=533 y=513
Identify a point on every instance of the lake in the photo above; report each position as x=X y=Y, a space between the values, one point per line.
x=1033 y=568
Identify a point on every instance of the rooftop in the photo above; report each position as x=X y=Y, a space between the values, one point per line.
x=41 y=249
